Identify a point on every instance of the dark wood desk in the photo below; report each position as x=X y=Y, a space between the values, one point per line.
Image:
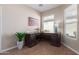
x=33 y=39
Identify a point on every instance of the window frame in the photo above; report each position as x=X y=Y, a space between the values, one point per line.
x=48 y=20
x=65 y=18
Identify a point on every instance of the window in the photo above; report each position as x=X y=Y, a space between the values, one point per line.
x=48 y=24
x=70 y=21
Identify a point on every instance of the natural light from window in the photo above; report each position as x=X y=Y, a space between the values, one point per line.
x=70 y=21
x=48 y=24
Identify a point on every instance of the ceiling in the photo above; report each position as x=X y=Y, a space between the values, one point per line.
x=43 y=7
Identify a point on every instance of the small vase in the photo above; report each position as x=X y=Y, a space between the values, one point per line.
x=20 y=44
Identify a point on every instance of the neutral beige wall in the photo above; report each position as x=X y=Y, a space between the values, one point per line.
x=0 y=25
x=59 y=15
x=15 y=19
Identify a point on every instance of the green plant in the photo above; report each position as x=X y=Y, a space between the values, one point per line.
x=20 y=36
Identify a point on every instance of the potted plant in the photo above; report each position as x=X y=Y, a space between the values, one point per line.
x=20 y=39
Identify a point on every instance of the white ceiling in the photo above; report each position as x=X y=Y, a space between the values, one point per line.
x=43 y=8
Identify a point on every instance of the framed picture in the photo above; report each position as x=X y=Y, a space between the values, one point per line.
x=32 y=21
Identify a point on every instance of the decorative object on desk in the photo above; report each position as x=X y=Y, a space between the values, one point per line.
x=20 y=39
x=37 y=30
x=55 y=29
x=57 y=26
x=32 y=21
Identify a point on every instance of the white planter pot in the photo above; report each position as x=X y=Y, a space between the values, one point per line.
x=20 y=44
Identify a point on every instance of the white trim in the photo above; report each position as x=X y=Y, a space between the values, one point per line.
x=70 y=48
x=7 y=49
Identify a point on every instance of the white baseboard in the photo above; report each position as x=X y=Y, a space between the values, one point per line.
x=7 y=49
x=70 y=48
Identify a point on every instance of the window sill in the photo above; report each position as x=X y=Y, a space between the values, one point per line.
x=70 y=37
